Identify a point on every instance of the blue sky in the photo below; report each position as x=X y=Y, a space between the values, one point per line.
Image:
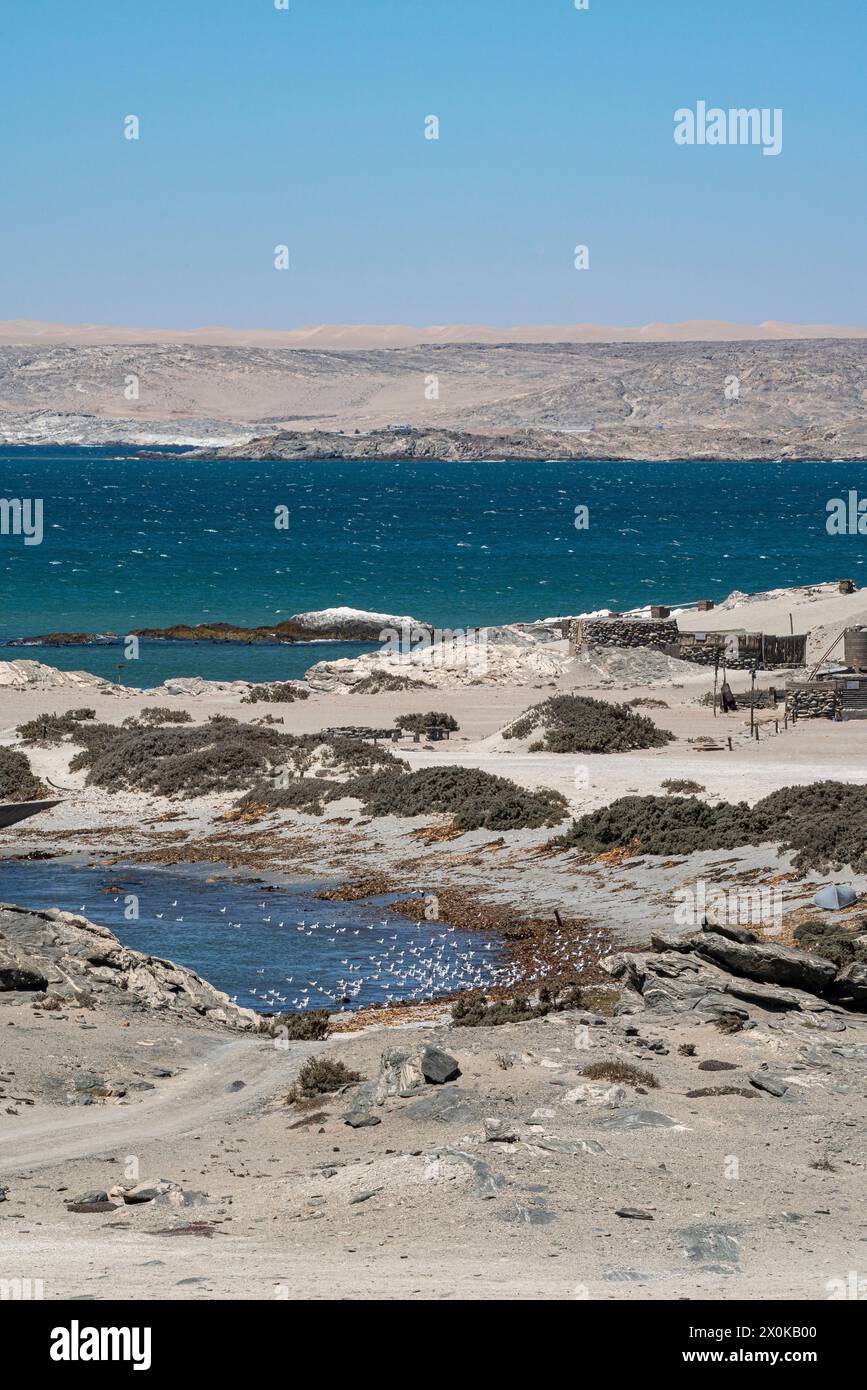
x=306 y=127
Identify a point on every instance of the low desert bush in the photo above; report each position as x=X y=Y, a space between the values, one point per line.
x=663 y=825
x=379 y=681
x=475 y=1011
x=277 y=693
x=579 y=724
x=312 y=1026
x=321 y=1075
x=17 y=782
x=155 y=715
x=624 y=1073
x=831 y=940
x=54 y=728
x=476 y=800
x=418 y=723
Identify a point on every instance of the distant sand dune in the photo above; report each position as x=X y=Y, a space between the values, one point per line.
x=366 y=336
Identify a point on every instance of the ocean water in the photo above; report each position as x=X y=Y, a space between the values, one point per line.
x=278 y=949
x=132 y=542
x=160 y=661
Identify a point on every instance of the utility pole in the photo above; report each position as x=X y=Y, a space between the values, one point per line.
x=753 y=701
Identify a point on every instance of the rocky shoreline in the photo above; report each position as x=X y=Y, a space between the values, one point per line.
x=604 y=444
x=327 y=625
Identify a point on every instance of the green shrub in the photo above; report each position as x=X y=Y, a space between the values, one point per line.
x=418 y=723
x=664 y=825
x=831 y=940
x=477 y=800
x=308 y=1026
x=623 y=1073
x=475 y=1011
x=321 y=1075
x=54 y=728
x=278 y=693
x=578 y=724
x=17 y=782
x=379 y=681
x=154 y=715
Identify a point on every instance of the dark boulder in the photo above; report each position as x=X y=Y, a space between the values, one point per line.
x=438 y=1067
x=16 y=974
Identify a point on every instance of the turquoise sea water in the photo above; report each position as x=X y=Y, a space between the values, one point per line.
x=132 y=542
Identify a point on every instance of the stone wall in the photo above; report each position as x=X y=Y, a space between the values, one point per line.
x=621 y=632
x=813 y=701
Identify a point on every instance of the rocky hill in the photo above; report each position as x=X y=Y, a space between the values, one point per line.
x=801 y=398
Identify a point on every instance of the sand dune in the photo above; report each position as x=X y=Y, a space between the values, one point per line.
x=365 y=336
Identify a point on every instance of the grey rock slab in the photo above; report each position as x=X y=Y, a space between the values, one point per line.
x=364 y=1196
x=641 y=1119
x=712 y=1246
x=765 y=1081
x=572 y=1147
x=851 y=983
x=768 y=962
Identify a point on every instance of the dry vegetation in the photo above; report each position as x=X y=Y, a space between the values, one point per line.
x=825 y=824
x=321 y=1076
x=579 y=724
x=17 y=782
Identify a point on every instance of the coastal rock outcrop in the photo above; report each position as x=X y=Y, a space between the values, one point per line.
x=34 y=675
x=705 y=973
x=320 y=625
x=76 y=960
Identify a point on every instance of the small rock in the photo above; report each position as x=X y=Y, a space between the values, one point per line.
x=595 y=1093
x=634 y=1214
x=764 y=1081
x=145 y=1192
x=499 y=1132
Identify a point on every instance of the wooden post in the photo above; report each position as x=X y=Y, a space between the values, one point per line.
x=715 y=678
x=752 y=700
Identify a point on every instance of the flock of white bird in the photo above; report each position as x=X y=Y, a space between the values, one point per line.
x=416 y=962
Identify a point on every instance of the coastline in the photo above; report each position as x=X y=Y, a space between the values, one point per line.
x=526 y=1142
